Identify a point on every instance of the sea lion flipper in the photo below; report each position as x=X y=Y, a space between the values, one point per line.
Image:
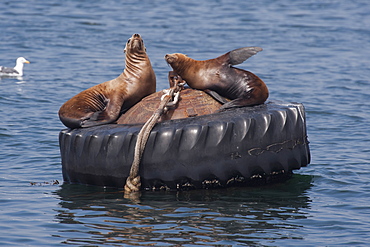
x=239 y=102
x=97 y=118
x=216 y=96
x=107 y=115
x=238 y=56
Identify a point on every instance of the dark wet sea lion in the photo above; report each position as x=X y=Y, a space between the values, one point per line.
x=103 y=103
x=220 y=79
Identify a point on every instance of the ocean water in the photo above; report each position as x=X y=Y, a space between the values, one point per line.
x=315 y=52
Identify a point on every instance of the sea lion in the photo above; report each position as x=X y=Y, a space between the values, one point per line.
x=220 y=79
x=103 y=103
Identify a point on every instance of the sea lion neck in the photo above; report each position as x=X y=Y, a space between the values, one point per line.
x=182 y=64
x=135 y=62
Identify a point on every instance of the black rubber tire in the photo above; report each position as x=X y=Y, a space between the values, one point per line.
x=233 y=147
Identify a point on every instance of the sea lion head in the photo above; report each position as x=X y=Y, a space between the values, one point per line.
x=171 y=58
x=176 y=60
x=135 y=44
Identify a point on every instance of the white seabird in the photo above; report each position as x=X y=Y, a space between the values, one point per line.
x=16 y=71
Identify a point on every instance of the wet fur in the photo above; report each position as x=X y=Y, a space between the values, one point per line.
x=220 y=79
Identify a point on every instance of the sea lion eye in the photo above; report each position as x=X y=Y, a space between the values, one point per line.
x=128 y=41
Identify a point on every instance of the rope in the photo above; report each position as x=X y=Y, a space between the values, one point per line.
x=169 y=99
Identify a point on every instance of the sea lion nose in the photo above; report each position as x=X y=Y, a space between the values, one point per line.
x=136 y=35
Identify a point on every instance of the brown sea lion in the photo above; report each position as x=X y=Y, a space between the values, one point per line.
x=103 y=103
x=220 y=79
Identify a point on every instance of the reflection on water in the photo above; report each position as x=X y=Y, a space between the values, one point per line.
x=226 y=216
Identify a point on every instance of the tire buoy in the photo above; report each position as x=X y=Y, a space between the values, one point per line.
x=240 y=146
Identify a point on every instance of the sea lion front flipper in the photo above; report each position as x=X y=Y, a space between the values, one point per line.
x=107 y=115
x=96 y=118
x=240 y=55
x=216 y=96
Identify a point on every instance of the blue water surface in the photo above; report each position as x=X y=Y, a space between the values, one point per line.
x=315 y=52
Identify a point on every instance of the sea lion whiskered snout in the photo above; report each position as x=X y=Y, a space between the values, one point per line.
x=105 y=102
x=220 y=79
x=170 y=58
x=135 y=42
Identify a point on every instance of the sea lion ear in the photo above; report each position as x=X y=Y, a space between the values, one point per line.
x=240 y=55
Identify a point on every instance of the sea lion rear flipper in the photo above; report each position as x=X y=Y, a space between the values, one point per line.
x=216 y=96
x=240 y=102
x=240 y=55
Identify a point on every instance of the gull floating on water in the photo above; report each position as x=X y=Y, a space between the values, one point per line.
x=16 y=71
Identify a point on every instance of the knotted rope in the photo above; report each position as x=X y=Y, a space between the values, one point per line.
x=169 y=99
